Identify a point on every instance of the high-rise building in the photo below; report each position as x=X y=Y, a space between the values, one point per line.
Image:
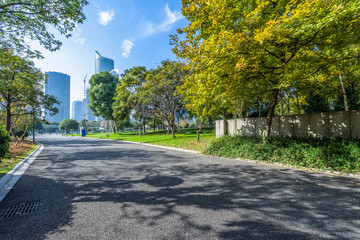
x=88 y=113
x=76 y=110
x=103 y=64
x=58 y=84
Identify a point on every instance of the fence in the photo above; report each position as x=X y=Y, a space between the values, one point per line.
x=319 y=125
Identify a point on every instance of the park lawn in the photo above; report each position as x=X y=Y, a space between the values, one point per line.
x=18 y=153
x=185 y=139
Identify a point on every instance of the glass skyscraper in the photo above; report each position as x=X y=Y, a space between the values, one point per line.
x=76 y=110
x=103 y=64
x=58 y=84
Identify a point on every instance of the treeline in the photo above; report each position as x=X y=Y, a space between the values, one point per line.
x=145 y=94
x=22 y=100
x=249 y=59
x=261 y=58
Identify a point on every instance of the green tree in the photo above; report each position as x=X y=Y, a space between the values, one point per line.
x=30 y=20
x=131 y=95
x=21 y=89
x=260 y=48
x=4 y=142
x=102 y=91
x=68 y=125
x=161 y=88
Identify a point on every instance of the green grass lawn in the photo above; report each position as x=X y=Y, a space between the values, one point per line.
x=185 y=139
x=17 y=154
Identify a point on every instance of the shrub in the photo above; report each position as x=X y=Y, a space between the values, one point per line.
x=4 y=143
x=334 y=154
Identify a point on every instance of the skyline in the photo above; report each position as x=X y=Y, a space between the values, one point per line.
x=132 y=33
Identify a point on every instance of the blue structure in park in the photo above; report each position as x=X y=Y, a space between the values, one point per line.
x=58 y=84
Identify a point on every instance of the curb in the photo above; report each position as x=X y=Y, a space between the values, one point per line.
x=8 y=181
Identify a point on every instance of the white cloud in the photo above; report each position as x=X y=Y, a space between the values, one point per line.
x=106 y=16
x=76 y=36
x=171 y=18
x=126 y=46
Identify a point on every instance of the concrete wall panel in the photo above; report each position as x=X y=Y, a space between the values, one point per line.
x=319 y=125
x=275 y=131
x=232 y=129
x=339 y=124
x=355 y=124
x=286 y=128
x=301 y=125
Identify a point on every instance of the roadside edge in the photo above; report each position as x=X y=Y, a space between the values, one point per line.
x=8 y=181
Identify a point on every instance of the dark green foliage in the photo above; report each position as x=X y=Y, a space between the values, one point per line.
x=20 y=133
x=353 y=97
x=333 y=154
x=259 y=109
x=102 y=91
x=68 y=125
x=316 y=103
x=4 y=142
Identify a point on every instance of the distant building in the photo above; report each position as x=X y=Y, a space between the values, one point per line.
x=115 y=73
x=76 y=112
x=88 y=113
x=58 y=84
x=103 y=64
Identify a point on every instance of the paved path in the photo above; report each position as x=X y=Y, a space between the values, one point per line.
x=96 y=189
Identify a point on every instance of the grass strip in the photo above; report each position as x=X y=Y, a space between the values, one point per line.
x=185 y=139
x=333 y=154
x=18 y=153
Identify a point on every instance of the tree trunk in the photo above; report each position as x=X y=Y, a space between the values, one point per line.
x=344 y=92
x=178 y=122
x=113 y=126
x=144 y=123
x=140 y=130
x=23 y=135
x=298 y=104
x=281 y=106
x=259 y=109
x=198 y=132
x=270 y=113
x=173 y=124
x=8 y=114
x=154 y=124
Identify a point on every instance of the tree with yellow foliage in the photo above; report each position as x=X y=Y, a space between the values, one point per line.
x=259 y=48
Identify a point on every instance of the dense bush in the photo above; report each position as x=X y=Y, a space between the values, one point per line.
x=4 y=143
x=335 y=154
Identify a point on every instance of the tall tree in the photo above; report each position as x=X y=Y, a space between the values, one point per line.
x=29 y=20
x=21 y=88
x=161 y=88
x=68 y=125
x=102 y=92
x=256 y=47
x=131 y=95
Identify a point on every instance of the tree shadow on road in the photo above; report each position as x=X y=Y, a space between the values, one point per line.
x=163 y=192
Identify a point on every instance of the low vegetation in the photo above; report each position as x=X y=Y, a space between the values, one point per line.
x=17 y=153
x=185 y=139
x=334 y=154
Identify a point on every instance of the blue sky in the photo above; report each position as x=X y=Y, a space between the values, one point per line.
x=131 y=32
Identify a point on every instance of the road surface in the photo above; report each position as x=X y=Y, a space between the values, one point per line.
x=100 y=189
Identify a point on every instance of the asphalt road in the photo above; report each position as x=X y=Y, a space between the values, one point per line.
x=99 y=189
